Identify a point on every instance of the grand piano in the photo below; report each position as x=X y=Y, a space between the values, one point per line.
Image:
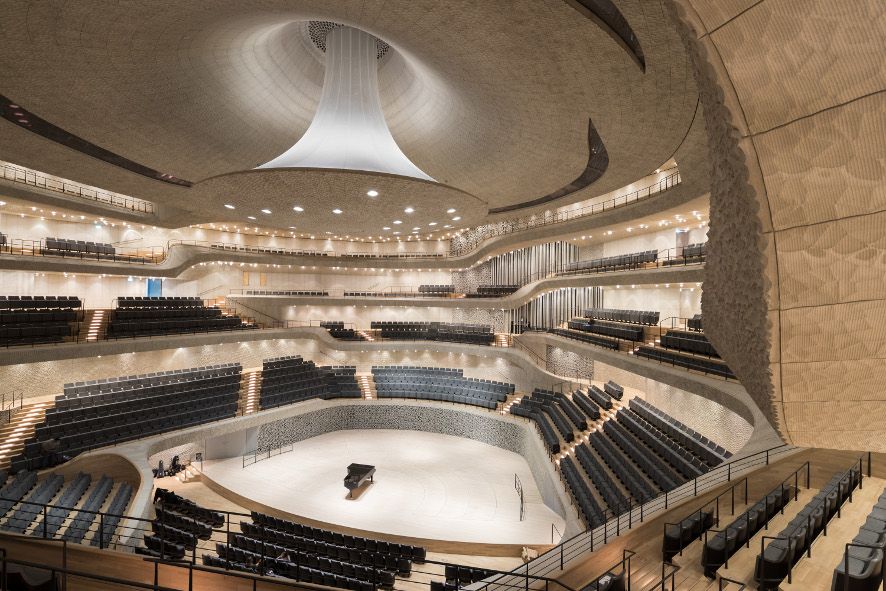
x=357 y=475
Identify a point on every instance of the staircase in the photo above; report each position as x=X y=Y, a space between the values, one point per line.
x=501 y=340
x=367 y=386
x=222 y=302
x=95 y=325
x=366 y=336
x=20 y=427
x=250 y=392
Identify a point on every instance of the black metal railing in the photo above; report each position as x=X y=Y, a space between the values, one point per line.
x=263 y=453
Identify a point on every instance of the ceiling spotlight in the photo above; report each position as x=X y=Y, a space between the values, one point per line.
x=450 y=210
x=298 y=208
x=250 y=217
x=397 y=222
x=433 y=224
x=266 y=211
x=372 y=193
x=417 y=228
x=456 y=218
x=336 y=211
x=229 y=206
x=386 y=228
x=409 y=210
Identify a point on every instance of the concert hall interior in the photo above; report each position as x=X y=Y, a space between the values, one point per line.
x=572 y=295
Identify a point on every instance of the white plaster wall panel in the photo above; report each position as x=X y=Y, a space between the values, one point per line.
x=712 y=420
x=668 y=301
x=797 y=56
x=829 y=166
x=94 y=290
x=663 y=240
x=839 y=261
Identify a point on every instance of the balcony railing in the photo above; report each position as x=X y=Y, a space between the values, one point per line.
x=37 y=179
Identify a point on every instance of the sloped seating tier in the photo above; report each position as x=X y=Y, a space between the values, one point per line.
x=691 y=342
x=708 y=366
x=720 y=547
x=569 y=408
x=433 y=384
x=600 y=398
x=588 y=406
x=678 y=457
x=58 y=513
x=865 y=555
x=663 y=475
x=137 y=316
x=29 y=303
x=615 y=501
x=587 y=337
x=698 y=444
x=493 y=291
x=780 y=554
x=540 y=405
x=474 y=334
x=625 y=470
x=32 y=505
x=590 y=509
x=342 y=380
x=541 y=420
x=613 y=263
x=436 y=289
x=337 y=330
x=630 y=316
x=86 y=515
x=290 y=379
x=607 y=328
x=401 y=551
x=14 y=491
x=89 y=415
x=159 y=302
x=691 y=253
x=695 y=323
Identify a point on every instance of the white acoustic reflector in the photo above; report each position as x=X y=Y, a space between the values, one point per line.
x=349 y=130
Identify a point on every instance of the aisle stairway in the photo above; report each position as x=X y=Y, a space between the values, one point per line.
x=367 y=386
x=95 y=325
x=250 y=391
x=14 y=434
x=501 y=340
x=367 y=335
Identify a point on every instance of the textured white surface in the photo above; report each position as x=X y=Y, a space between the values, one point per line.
x=349 y=129
x=426 y=485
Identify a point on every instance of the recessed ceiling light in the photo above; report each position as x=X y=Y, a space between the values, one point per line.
x=433 y=224
x=229 y=206
x=298 y=208
x=372 y=193
x=456 y=218
x=386 y=228
x=250 y=217
x=417 y=228
x=450 y=210
x=397 y=222
x=336 y=211
x=266 y=211
x=448 y=226
x=396 y=233
x=409 y=210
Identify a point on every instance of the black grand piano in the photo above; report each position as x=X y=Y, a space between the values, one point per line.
x=357 y=475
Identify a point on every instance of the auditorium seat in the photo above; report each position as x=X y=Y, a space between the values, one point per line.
x=308 y=293
x=337 y=330
x=291 y=379
x=695 y=323
x=143 y=316
x=35 y=320
x=473 y=334
x=626 y=316
x=93 y=414
x=702 y=364
x=688 y=341
x=440 y=384
x=436 y=290
x=619 y=262
x=689 y=254
x=698 y=444
x=607 y=328
x=61 y=508
x=865 y=554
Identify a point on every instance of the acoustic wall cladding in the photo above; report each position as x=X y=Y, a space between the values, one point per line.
x=552 y=308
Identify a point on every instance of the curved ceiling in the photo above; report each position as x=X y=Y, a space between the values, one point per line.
x=492 y=102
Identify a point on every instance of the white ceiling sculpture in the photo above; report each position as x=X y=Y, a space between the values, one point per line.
x=349 y=130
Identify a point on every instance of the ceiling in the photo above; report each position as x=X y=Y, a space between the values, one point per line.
x=491 y=99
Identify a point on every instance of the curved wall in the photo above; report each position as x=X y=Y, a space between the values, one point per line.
x=794 y=297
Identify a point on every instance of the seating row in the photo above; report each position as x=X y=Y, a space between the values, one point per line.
x=691 y=342
x=587 y=337
x=436 y=289
x=493 y=291
x=86 y=515
x=435 y=331
x=78 y=246
x=32 y=505
x=708 y=366
x=39 y=302
x=697 y=443
x=157 y=327
x=108 y=524
x=158 y=302
x=123 y=314
x=589 y=508
x=105 y=386
x=629 y=316
x=606 y=328
x=179 y=504
x=286 y=380
x=775 y=562
x=864 y=555
x=67 y=500
x=14 y=491
x=615 y=501
x=552 y=442
x=35 y=334
x=678 y=457
x=286 y=292
x=613 y=263
x=565 y=404
x=625 y=470
x=719 y=548
x=662 y=474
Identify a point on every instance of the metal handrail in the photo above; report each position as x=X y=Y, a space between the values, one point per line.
x=131 y=255
x=38 y=179
x=263 y=453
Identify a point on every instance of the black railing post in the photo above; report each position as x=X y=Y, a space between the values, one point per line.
x=101 y=533
x=45 y=525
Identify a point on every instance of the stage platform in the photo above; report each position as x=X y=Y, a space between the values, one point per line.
x=428 y=487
